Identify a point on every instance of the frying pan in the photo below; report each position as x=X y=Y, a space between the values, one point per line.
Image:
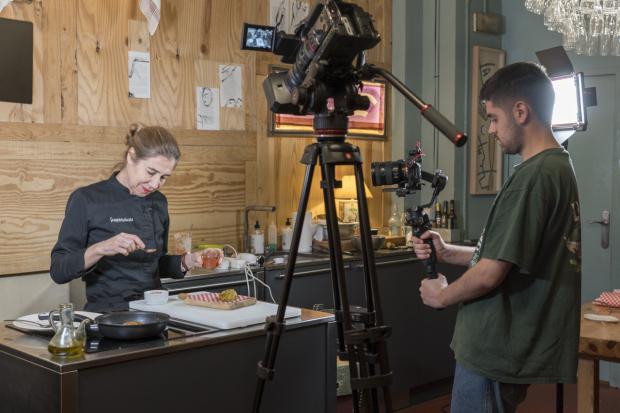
x=122 y=325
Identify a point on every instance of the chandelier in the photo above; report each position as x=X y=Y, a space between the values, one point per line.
x=589 y=27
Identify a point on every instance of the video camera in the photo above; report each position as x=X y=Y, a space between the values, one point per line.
x=407 y=174
x=322 y=52
x=323 y=78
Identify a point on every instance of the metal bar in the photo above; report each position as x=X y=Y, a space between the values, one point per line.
x=311 y=272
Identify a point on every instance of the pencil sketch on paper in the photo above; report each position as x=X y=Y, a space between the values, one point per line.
x=207 y=108
x=286 y=15
x=231 y=92
x=139 y=74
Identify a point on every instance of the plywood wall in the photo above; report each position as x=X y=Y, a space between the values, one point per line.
x=73 y=132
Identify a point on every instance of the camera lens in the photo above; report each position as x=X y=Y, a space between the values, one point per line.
x=388 y=173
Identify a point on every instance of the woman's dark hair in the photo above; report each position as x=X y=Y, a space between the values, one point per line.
x=150 y=141
x=521 y=81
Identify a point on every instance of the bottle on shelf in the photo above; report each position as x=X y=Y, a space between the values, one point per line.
x=394 y=222
x=272 y=238
x=452 y=216
x=257 y=240
x=437 y=221
x=287 y=236
x=444 y=215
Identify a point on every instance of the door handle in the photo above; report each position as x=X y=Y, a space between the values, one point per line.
x=604 y=223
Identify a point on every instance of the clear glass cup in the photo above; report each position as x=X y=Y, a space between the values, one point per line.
x=182 y=242
x=211 y=258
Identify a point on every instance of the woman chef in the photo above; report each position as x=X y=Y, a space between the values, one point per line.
x=115 y=232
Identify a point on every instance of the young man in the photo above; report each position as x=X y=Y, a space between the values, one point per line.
x=519 y=302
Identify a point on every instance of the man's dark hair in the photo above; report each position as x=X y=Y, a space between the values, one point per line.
x=521 y=81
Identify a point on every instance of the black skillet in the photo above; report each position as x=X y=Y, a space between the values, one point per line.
x=129 y=325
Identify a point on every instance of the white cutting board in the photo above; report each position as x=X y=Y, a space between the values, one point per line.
x=213 y=317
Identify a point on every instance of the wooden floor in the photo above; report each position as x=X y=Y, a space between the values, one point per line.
x=540 y=399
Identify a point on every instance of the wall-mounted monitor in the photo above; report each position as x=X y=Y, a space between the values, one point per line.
x=15 y=61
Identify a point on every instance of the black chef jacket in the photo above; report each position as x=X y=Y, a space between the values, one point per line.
x=98 y=212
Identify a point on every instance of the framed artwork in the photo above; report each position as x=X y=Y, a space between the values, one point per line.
x=486 y=157
x=363 y=124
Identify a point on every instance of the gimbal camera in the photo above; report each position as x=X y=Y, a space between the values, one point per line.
x=408 y=176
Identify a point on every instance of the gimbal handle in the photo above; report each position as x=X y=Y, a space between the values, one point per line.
x=429 y=263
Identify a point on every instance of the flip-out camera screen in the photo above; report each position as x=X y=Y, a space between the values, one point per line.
x=258 y=37
x=569 y=111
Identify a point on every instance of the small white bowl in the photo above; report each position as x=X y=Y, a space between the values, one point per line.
x=224 y=265
x=156 y=297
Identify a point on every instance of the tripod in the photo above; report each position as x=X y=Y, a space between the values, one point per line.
x=365 y=348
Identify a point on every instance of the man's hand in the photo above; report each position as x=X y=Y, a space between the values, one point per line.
x=431 y=291
x=423 y=250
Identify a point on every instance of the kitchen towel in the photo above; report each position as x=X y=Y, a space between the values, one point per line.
x=609 y=299
x=151 y=10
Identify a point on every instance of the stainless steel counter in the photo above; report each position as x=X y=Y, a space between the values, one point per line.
x=34 y=347
x=216 y=372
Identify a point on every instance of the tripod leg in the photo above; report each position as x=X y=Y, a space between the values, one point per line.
x=373 y=297
x=341 y=299
x=274 y=326
x=334 y=270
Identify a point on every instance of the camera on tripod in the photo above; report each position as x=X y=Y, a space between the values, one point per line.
x=327 y=53
x=322 y=52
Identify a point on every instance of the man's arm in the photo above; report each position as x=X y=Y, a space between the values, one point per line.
x=457 y=255
x=479 y=280
x=447 y=253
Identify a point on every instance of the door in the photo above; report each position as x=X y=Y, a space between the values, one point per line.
x=595 y=158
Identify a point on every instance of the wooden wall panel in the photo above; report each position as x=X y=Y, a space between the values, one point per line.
x=74 y=132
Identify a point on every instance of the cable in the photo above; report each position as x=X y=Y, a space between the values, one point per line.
x=249 y=274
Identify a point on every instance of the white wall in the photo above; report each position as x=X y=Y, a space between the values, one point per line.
x=31 y=293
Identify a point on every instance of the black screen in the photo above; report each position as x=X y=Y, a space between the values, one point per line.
x=15 y=61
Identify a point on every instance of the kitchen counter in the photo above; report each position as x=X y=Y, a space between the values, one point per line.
x=199 y=279
x=157 y=376
x=303 y=260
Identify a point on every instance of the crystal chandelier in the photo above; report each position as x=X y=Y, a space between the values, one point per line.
x=589 y=27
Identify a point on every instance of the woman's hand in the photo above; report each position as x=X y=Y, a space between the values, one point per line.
x=192 y=260
x=121 y=243
x=423 y=250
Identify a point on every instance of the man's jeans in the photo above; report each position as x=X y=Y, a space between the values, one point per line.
x=473 y=393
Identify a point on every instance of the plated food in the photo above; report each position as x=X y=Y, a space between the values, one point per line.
x=228 y=295
x=226 y=300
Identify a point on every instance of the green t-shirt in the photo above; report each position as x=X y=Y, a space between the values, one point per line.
x=527 y=329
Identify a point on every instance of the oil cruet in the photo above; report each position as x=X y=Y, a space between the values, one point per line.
x=68 y=340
